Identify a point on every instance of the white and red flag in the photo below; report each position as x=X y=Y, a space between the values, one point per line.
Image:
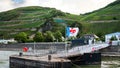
x=72 y=32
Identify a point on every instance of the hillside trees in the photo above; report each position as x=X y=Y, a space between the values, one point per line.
x=55 y=13
x=113 y=38
x=38 y=37
x=58 y=36
x=49 y=37
x=21 y=37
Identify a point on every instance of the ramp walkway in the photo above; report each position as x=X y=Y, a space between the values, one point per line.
x=80 y=50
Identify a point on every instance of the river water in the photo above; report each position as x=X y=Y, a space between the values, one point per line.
x=106 y=63
x=4 y=58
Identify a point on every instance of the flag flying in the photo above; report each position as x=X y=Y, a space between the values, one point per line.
x=72 y=31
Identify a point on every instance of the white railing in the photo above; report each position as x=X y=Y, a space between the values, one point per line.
x=83 y=49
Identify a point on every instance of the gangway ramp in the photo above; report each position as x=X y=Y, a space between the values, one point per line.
x=80 y=50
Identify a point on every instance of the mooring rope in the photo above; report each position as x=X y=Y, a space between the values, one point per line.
x=75 y=65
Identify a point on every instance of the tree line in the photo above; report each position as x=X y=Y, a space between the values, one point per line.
x=48 y=36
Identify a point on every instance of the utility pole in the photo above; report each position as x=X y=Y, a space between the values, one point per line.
x=34 y=48
x=65 y=41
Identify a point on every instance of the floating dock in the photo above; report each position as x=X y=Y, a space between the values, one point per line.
x=49 y=61
x=53 y=60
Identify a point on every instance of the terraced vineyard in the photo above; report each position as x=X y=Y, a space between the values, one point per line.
x=34 y=18
x=26 y=19
x=110 y=12
x=104 y=20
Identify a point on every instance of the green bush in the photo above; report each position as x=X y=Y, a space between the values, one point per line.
x=58 y=36
x=49 y=37
x=38 y=37
x=21 y=37
x=113 y=38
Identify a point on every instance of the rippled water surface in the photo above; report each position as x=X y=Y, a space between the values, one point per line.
x=4 y=58
x=106 y=62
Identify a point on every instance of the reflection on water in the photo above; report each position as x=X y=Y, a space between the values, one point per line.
x=106 y=62
x=4 y=58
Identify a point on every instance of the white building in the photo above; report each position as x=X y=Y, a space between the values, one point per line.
x=108 y=37
x=3 y=41
x=91 y=38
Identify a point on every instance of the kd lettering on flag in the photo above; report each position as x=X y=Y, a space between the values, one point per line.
x=72 y=31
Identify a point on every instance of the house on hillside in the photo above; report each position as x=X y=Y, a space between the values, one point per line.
x=115 y=36
x=3 y=41
x=91 y=38
x=109 y=36
x=86 y=39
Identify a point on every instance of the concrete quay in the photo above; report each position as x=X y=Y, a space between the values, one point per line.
x=49 y=61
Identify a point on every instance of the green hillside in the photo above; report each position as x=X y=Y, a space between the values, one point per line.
x=110 y=12
x=41 y=19
x=32 y=19
x=104 y=20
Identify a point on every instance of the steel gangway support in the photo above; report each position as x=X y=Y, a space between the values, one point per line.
x=79 y=50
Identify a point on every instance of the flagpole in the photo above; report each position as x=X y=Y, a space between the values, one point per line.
x=66 y=41
x=34 y=48
x=69 y=32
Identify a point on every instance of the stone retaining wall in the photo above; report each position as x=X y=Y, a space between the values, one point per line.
x=53 y=45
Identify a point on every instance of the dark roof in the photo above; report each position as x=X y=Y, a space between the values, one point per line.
x=90 y=35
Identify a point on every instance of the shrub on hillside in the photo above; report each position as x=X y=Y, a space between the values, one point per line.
x=21 y=37
x=38 y=37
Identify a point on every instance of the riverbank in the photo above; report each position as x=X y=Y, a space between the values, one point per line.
x=10 y=49
x=111 y=54
x=107 y=62
x=104 y=54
